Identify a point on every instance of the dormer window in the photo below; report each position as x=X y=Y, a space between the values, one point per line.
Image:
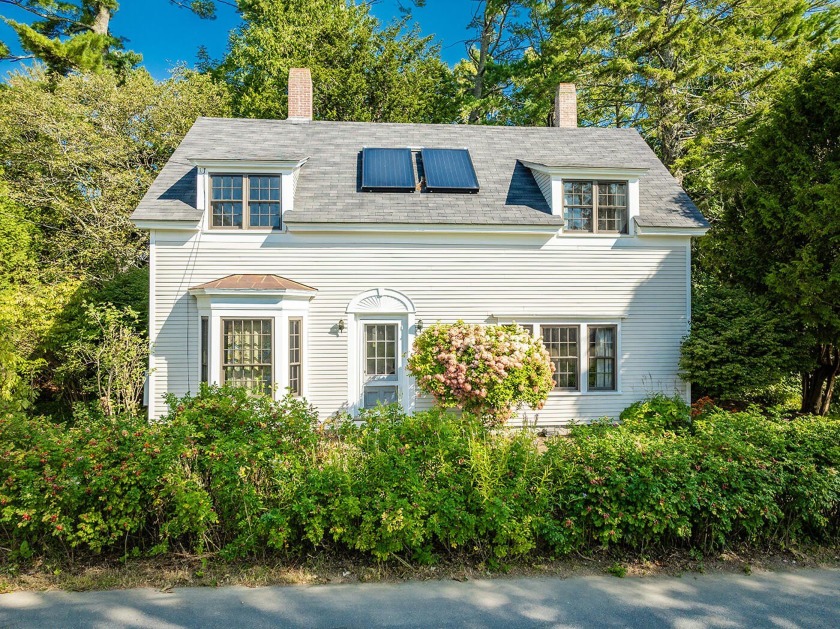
x=595 y=206
x=228 y=209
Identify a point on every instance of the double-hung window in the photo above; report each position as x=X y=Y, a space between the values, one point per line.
x=595 y=206
x=561 y=341
x=245 y=202
x=295 y=356
x=584 y=354
x=602 y=358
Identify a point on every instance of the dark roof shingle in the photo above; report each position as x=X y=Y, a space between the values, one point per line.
x=329 y=187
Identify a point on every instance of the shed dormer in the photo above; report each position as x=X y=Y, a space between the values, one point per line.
x=591 y=199
x=246 y=194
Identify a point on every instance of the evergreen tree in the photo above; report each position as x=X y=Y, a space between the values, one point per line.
x=780 y=235
x=684 y=73
x=75 y=35
x=360 y=71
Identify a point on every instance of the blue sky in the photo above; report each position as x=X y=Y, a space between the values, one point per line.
x=166 y=35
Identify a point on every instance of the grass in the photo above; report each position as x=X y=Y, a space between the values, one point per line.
x=167 y=573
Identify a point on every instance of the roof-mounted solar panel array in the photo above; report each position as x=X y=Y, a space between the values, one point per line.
x=392 y=170
x=387 y=170
x=449 y=170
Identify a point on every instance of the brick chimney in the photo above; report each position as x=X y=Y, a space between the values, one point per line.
x=300 y=94
x=565 y=106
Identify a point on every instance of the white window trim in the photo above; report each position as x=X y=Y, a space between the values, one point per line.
x=216 y=308
x=583 y=325
x=560 y=173
x=286 y=169
x=379 y=305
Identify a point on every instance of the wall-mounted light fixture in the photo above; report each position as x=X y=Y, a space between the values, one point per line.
x=341 y=325
x=419 y=326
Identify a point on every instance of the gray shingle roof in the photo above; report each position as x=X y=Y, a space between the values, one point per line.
x=328 y=189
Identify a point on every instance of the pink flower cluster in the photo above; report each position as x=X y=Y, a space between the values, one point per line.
x=482 y=369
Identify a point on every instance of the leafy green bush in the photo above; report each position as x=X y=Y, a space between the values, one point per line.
x=657 y=414
x=230 y=473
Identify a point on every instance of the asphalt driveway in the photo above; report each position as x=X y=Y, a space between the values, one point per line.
x=804 y=598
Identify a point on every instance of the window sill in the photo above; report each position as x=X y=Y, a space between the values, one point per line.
x=557 y=394
x=595 y=235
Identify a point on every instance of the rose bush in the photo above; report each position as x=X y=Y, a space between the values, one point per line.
x=486 y=370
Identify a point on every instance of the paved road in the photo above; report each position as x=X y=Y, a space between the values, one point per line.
x=805 y=598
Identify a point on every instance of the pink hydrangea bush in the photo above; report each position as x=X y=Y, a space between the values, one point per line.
x=487 y=370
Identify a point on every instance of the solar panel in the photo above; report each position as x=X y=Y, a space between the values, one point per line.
x=387 y=169
x=449 y=170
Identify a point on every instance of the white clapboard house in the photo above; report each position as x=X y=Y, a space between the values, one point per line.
x=304 y=256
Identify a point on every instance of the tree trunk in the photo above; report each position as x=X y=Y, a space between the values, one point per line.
x=102 y=19
x=481 y=66
x=818 y=384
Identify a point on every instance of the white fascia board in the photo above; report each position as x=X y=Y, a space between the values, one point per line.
x=594 y=172
x=536 y=230
x=253 y=292
x=643 y=230
x=168 y=225
x=283 y=166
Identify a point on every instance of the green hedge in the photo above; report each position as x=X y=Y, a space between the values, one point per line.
x=240 y=476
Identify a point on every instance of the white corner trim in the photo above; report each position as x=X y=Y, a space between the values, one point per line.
x=151 y=400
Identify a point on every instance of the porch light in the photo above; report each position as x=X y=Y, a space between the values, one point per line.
x=341 y=325
x=419 y=325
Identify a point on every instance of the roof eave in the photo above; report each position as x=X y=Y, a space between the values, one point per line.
x=676 y=230
x=576 y=170
x=168 y=224
x=459 y=228
x=258 y=292
x=244 y=163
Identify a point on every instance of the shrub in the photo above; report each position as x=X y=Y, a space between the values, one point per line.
x=657 y=414
x=231 y=473
x=487 y=370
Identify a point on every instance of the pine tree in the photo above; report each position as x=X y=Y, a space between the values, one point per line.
x=360 y=71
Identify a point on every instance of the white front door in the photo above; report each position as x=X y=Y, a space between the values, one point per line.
x=381 y=364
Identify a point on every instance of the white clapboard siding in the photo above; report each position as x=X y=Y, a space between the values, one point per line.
x=643 y=280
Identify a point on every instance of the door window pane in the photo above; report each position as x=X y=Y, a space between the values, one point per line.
x=381 y=349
